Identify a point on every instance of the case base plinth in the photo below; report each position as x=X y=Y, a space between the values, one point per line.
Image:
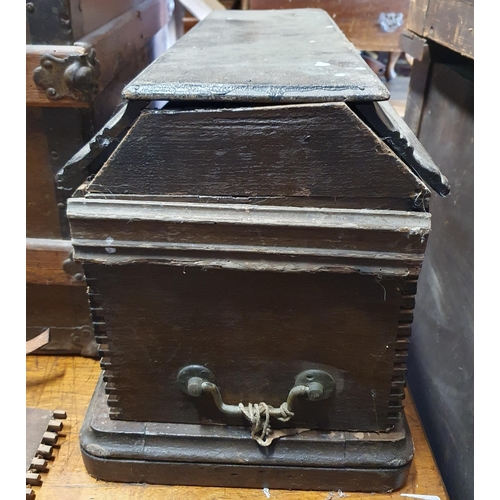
x=225 y=456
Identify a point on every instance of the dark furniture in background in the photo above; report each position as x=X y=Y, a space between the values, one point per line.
x=79 y=56
x=440 y=111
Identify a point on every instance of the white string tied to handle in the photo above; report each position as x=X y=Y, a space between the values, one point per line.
x=259 y=416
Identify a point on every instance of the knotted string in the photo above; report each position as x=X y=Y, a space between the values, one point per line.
x=258 y=414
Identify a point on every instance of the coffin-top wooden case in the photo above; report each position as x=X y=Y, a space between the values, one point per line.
x=255 y=238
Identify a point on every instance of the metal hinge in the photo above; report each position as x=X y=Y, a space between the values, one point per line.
x=75 y=76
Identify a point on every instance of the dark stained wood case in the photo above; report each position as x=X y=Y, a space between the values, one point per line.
x=258 y=226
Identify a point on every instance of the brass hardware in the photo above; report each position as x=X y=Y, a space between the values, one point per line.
x=314 y=385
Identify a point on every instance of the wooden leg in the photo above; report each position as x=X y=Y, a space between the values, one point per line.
x=390 y=73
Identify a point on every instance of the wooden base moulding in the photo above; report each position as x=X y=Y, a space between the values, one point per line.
x=215 y=455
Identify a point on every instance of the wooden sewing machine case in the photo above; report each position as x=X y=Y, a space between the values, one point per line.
x=251 y=245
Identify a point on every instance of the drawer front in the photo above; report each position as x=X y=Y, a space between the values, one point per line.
x=368 y=24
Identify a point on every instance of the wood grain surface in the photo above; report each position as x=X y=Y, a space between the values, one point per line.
x=249 y=61
x=42 y=218
x=306 y=150
x=68 y=382
x=447 y=22
x=358 y=19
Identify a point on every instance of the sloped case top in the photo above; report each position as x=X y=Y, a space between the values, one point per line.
x=293 y=55
x=305 y=150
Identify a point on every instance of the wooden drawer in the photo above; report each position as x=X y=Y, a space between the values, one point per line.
x=368 y=24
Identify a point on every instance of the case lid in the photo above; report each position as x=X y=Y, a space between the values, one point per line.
x=292 y=55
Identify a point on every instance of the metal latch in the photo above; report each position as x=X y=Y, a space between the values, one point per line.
x=75 y=76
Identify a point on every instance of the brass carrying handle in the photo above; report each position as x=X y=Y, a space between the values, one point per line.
x=314 y=385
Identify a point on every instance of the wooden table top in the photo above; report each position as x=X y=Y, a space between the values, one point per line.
x=67 y=383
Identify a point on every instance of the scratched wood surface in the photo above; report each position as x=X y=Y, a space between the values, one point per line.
x=66 y=382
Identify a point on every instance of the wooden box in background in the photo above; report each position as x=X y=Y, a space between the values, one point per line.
x=79 y=56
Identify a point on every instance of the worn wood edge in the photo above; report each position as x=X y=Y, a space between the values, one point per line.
x=390 y=203
x=258 y=255
x=109 y=438
x=246 y=93
x=54 y=380
x=80 y=166
x=389 y=220
x=44 y=262
x=421 y=190
x=138 y=251
x=186 y=474
x=38 y=97
x=418 y=159
x=139 y=89
x=397 y=135
x=395 y=265
x=416 y=189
